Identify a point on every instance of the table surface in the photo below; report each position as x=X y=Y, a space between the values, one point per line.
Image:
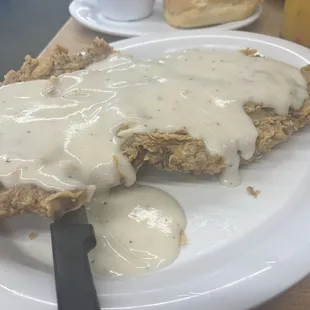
x=19 y=31
x=76 y=38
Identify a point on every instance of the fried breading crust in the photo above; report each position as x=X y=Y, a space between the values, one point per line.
x=172 y=152
x=181 y=152
x=57 y=63
x=26 y=198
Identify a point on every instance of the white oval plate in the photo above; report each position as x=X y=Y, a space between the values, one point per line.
x=241 y=251
x=88 y=14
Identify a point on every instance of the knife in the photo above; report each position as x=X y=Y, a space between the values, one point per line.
x=72 y=239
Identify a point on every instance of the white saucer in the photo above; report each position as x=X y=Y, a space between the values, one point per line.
x=88 y=14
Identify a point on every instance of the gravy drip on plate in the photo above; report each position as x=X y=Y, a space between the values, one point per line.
x=138 y=229
x=66 y=132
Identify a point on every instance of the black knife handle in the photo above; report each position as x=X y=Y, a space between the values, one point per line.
x=74 y=282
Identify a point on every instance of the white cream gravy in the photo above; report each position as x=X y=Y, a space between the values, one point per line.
x=138 y=229
x=66 y=132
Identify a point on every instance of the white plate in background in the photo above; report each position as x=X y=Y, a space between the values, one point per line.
x=88 y=14
x=241 y=251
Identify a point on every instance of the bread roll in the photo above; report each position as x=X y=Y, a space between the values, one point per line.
x=197 y=13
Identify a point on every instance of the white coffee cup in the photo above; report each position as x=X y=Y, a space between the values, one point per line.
x=126 y=10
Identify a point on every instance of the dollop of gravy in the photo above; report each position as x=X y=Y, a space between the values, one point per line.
x=138 y=229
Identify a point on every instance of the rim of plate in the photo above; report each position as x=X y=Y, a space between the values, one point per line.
x=115 y=27
x=279 y=258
